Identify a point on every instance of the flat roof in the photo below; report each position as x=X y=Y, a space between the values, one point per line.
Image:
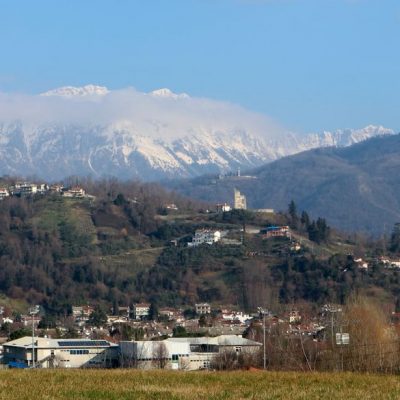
x=47 y=343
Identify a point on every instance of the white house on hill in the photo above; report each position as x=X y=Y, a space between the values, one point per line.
x=205 y=236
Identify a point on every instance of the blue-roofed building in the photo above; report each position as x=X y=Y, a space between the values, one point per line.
x=61 y=353
x=275 y=231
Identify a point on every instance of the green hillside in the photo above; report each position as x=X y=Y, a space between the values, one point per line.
x=116 y=249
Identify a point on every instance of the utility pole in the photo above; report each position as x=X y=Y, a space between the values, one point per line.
x=262 y=311
x=333 y=310
x=33 y=342
x=33 y=311
x=265 y=356
x=341 y=348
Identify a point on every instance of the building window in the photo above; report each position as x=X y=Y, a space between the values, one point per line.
x=78 y=352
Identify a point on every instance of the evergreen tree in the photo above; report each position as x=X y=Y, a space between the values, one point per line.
x=120 y=200
x=313 y=233
x=20 y=333
x=98 y=317
x=323 y=229
x=179 y=331
x=153 y=312
x=318 y=231
x=395 y=239
x=292 y=211
x=305 y=219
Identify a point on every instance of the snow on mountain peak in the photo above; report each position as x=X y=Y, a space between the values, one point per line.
x=167 y=93
x=152 y=135
x=73 y=91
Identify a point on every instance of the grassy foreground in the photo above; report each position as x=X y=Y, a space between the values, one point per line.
x=131 y=384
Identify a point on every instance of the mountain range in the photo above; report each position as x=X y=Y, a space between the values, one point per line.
x=356 y=188
x=92 y=130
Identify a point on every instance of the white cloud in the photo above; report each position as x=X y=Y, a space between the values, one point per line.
x=164 y=115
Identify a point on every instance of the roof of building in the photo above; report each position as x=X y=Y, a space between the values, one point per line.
x=222 y=340
x=207 y=230
x=40 y=342
x=273 y=228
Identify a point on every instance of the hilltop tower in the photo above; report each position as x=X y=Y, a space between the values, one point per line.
x=239 y=200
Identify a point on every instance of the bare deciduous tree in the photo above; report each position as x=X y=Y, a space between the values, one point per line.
x=373 y=343
x=160 y=355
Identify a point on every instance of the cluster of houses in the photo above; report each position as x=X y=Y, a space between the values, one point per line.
x=24 y=189
x=387 y=263
x=223 y=329
x=211 y=236
x=92 y=350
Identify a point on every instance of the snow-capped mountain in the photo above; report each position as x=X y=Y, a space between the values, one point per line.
x=94 y=131
x=165 y=92
x=70 y=91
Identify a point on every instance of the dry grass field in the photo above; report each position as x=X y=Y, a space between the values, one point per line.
x=131 y=384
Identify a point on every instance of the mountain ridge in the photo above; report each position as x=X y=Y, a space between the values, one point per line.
x=355 y=188
x=92 y=130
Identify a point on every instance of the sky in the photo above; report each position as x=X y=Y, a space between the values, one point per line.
x=311 y=65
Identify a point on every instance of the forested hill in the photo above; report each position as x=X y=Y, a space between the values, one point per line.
x=127 y=243
x=355 y=188
x=57 y=251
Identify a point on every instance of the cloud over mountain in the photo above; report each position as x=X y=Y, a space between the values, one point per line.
x=127 y=133
x=160 y=114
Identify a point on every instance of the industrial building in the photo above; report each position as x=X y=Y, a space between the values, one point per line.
x=60 y=353
x=191 y=353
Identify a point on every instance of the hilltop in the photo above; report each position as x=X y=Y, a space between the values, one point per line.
x=356 y=189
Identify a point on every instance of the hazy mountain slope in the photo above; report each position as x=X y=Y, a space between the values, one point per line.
x=91 y=130
x=355 y=188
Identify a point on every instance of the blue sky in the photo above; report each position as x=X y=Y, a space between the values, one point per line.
x=309 y=64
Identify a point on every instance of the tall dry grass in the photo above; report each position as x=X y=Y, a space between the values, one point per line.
x=160 y=385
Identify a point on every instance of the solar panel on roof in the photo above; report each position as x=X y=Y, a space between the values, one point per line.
x=83 y=343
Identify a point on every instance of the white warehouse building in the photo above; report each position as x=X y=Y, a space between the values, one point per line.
x=191 y=353
x=60 y=353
